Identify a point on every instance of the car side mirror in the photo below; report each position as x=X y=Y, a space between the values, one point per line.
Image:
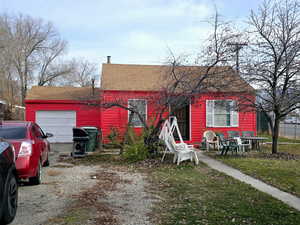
x=48 y=135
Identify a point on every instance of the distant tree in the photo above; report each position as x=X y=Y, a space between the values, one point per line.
x=51 y=65
x=83 y=73
x=273 y=64
x=30 y=46
x=9 y=88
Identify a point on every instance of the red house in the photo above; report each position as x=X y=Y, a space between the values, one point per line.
x=135 y=83
x=58 y=109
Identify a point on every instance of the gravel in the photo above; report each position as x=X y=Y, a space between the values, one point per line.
x=39 y=203
x=130 y=202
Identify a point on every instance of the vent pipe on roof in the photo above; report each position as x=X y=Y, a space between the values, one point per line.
x=108 y=59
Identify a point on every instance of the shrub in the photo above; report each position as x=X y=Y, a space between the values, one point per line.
x=135 y=152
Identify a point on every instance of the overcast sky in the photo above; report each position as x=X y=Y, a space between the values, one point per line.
x=131 y=31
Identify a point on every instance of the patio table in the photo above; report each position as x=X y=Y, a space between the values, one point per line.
x=255 y=140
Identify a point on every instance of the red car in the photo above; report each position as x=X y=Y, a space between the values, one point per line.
x=31 y=146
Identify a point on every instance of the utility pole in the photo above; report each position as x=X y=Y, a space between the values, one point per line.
x=237 y=48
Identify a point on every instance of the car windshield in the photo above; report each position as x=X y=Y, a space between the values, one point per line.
x=11 y=132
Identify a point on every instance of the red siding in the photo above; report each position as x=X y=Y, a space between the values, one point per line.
x=118 y=118
x=85 y=115
x=247 y=120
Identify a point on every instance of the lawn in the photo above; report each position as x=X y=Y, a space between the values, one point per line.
x=281 y=171
x=200 y=195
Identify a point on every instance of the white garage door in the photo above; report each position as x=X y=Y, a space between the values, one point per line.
x=59 y=123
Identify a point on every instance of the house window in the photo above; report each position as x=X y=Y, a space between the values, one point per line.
x=221 y=113
x=139 y=105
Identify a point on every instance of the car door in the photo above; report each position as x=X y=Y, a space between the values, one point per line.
x=45 y=145
x=40 y=145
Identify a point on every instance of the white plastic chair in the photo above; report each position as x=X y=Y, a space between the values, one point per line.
x=181 y=150
x=211 y=139
x=242 y=144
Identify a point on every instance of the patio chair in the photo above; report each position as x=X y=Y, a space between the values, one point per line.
x=211 y=139
x=248 y=133
x=242 y=144
x=229 y=145
x=223 y=144
x=233 y=133
x=220 y=135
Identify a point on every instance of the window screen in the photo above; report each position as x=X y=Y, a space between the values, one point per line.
x=140 y=106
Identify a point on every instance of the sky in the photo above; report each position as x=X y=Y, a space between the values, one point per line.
x=131 y=31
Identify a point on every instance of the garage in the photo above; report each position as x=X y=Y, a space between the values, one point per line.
x=58 y=109
x=59 y=123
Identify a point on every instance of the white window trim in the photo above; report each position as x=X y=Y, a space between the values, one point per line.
x=146 y=110
x=213 y=114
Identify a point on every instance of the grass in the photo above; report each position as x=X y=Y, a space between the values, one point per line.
x=293 y=148
x=284 y=174
x=95 y=159
x=196 y=195
x=200 y=195
x=280 y=139
x=76 y=216
x=279 y=172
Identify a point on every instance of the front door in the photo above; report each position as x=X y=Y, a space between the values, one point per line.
x=183 y=119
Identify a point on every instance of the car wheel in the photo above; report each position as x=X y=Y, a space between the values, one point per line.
x=47 y=162
x=10 y=200
x=38 y=178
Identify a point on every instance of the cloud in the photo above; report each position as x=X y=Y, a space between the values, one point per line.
x=138 y=30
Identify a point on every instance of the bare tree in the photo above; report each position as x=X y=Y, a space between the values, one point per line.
x=9 y=88
x=273 y=65
x=51 y=65
x=27 y=40
x=210 y=71
x=181 y=80
x=82 y=73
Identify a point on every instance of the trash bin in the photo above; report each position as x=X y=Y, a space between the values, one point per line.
x=80 y=142
x=93 y=138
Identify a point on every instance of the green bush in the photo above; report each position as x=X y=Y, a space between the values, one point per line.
x=135 y=151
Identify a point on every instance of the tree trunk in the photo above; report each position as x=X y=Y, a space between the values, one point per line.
x=275 y=135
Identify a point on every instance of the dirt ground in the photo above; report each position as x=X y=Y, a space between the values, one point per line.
x=118 y=196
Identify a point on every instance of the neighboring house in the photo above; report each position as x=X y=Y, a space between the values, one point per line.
x=58 y=109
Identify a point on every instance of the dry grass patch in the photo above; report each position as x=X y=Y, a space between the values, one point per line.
x=89 y=206
x=53 y=173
